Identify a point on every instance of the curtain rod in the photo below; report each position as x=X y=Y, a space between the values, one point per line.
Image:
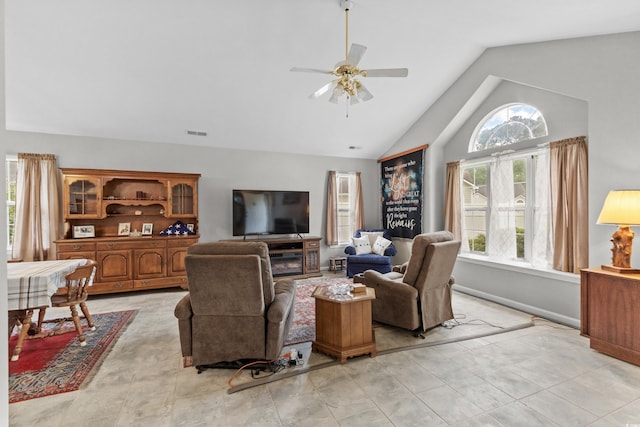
x=511 y=153
x=412 y=150
x=502 y=153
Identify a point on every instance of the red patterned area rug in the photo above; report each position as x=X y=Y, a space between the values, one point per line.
x=304 y=321
x=58 y=364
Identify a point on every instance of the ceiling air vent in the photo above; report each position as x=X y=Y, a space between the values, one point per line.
x=196 y=133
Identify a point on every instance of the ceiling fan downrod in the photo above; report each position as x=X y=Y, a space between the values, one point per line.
x=346 y=5
x=346 y=38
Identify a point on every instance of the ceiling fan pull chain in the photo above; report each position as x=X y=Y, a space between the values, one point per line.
x=347 y=107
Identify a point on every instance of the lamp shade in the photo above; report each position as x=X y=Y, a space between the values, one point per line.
x=621 y=207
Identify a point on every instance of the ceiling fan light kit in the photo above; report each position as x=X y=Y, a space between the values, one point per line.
x=347 y=72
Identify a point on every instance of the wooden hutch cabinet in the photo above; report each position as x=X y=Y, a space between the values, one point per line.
x=104 y=199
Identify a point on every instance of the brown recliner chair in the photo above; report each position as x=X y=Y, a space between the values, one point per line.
x=234 y=311
x=417 y=294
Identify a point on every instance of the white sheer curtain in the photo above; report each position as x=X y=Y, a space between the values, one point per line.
x=542 y=243
x=501 y=244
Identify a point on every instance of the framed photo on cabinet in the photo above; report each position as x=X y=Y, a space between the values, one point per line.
x=84 y=231
x=147 y=229
x=124 y=229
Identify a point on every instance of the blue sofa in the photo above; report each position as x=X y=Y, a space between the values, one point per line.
x=360 y=263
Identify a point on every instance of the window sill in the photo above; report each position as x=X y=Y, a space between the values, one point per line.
x=520 y=267
x=339 y=246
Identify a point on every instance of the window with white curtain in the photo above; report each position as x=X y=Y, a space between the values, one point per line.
x=505 y=213
x=345 y=183
x=11 y=168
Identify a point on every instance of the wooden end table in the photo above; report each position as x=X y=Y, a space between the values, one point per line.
x=344 y=327
x=338 y=263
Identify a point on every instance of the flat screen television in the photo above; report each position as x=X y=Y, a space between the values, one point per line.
x=270 y=212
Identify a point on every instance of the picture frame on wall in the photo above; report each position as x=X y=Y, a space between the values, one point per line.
x=124 y=229
x=84 y=231
x=147 y=229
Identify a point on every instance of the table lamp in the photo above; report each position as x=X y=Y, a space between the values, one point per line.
x=622 y=208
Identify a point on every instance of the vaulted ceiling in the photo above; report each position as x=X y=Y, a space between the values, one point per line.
x=151 y=70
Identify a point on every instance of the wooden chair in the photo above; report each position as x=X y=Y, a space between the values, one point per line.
x=76 y=295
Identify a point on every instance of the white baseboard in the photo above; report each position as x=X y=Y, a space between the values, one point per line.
x=537 y=311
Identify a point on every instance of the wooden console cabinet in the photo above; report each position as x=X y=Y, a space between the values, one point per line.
x=132 y=263
x=296 y=258
x=104 y=199
x=610 y=314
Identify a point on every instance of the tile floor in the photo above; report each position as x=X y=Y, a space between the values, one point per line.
x=540 y=376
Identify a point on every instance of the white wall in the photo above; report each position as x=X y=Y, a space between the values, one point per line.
x=4 y=367
x=603 y=71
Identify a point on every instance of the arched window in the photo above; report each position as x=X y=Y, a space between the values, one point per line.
x=507 y=125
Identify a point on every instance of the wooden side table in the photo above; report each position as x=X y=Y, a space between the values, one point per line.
x=338 y=263
x=609 y=314
x=344 y=327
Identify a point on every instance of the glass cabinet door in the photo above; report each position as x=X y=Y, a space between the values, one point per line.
x=183 y=199
x=82 y=197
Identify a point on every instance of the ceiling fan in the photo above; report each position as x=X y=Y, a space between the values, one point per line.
x=347 y=71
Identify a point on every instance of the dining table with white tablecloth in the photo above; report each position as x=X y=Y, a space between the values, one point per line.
x=30 y=286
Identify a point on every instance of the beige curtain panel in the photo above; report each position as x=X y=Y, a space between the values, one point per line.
x=358 y=215
x=38 y=207
x=569 y=201
x=452 y=202
x=331 y=226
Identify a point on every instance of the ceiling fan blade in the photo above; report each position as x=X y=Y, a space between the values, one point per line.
x=324 y=89
x=363 y=93
x=355 y=53
x=338 y=91
x=388 y=72
x=310 y=70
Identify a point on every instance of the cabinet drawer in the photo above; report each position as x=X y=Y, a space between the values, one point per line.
x=138 y=244
x=158 y=283
x=110 y=287
x=180 y=243
x=313 y=244
x=76 y=255
x=76 y=246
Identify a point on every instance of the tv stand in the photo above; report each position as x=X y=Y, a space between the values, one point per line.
x=296 y=258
